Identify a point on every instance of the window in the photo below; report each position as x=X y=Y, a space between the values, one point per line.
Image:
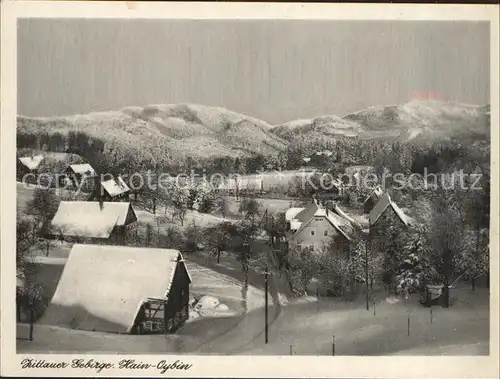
x=312 y=232
x=325 y=233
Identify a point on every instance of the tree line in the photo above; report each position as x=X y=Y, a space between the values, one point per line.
x=117 y=157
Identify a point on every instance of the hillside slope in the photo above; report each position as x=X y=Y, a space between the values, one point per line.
x=328 y=126
x=427 y=120
x=181 y=130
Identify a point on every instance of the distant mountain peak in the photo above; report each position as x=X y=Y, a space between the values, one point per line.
x=183 y=129
x=418 y=118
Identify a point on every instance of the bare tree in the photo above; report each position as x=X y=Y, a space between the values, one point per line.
x=29 y=294
x=217 y=238
x=43 y=207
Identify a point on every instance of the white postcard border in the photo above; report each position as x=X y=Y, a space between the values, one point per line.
x=234 y=366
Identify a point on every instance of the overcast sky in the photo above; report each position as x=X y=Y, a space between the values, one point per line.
x=273 y=70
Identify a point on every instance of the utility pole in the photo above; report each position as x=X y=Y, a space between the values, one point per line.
x=369 y=246
x=266 y=273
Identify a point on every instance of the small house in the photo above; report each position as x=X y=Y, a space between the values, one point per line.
x=121 y=289
x=387 y=211
x=114 y=189
x=372 y=199
x=314 y=227
x=28 y=165
x=80 y=175
x=93 y=222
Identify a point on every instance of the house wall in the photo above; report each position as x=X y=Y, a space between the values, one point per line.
x=121 y=234
x=319 y=226
x=169 y=316
x=131 y=216
x=86 y=184
x=22 y=170
x=369 y=205
x=178 y=301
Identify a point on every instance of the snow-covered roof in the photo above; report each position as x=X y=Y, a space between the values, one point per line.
x=291 y=213
x=83 y=169
x=376 y=194
x=300 y=217
x=115 y=187
x=102 y=287
x=89 y=218
x=32 y=162
x=385 y=202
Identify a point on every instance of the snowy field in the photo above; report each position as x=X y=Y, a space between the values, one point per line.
x=308 y=328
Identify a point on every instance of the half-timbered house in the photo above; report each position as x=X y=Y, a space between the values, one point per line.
x=121 y=289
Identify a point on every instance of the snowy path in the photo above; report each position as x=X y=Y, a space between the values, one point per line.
x=210 y=282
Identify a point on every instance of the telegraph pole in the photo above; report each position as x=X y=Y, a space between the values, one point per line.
x=369 y=246
x=266 y=273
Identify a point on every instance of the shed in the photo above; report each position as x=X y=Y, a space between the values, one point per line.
x=121 y=289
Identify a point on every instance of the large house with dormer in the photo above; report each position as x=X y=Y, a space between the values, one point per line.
x=314 y=226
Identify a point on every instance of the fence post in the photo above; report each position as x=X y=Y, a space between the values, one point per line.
x=374 y=312
x=290 y=349
x=333 y=345
x=431 y=314
x=408 y=325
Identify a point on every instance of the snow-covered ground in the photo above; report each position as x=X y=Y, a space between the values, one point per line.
x=199 y=332
x=309 y=327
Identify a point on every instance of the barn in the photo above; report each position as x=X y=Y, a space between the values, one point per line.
x=121 y=289
x=93 y=222
x=114 y=189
